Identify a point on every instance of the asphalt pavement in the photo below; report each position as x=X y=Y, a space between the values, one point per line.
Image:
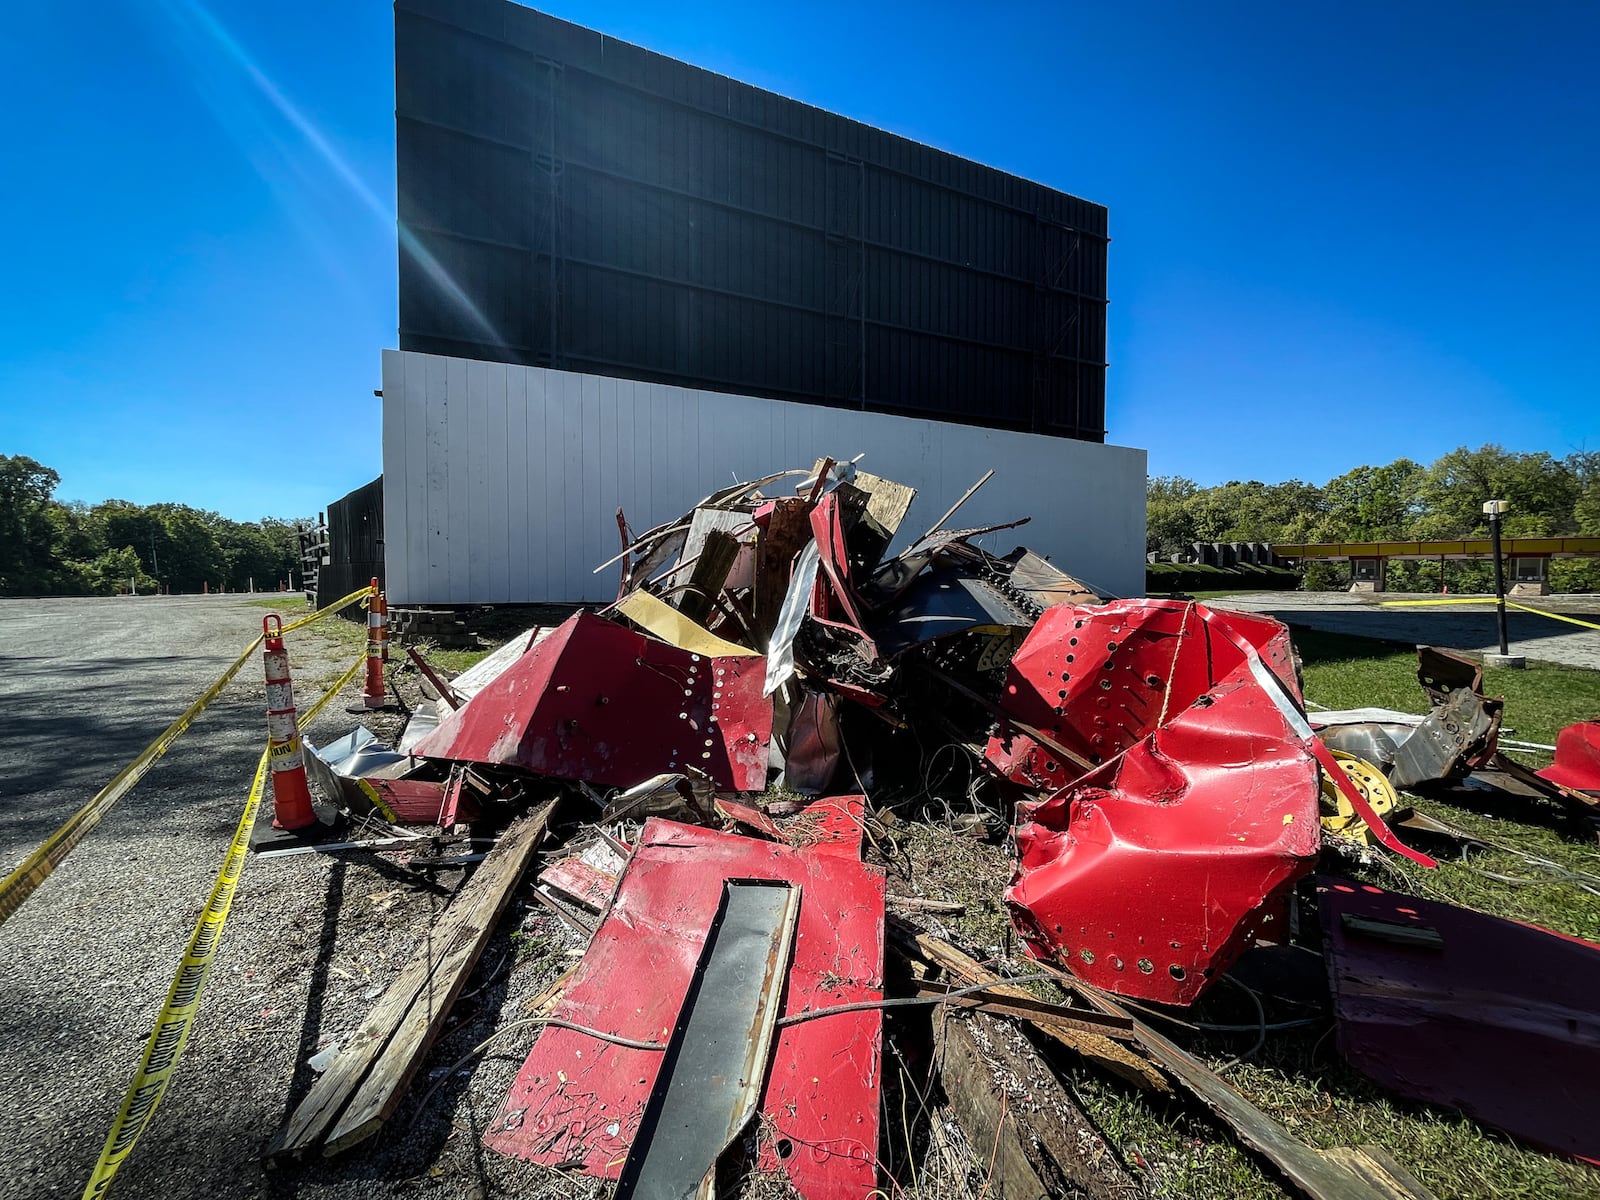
x=1461 y=626
x=85 y=964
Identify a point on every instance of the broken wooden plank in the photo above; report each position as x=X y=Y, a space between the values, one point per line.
x=440 y=687
x=1373 y=1164
x=888 y=502
x=1031 y=1010
x=577 y=882
x=366 y=1081
x=1017 y=1115
x=1097 y=1048
x=788 y=530
x=1314 y=1174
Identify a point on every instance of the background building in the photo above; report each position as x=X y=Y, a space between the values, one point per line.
x=693 y=275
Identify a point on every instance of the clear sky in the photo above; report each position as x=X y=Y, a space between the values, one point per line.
x=1341 y=232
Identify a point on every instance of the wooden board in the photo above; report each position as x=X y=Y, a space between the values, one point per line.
x=366 y=1081
x=1317 y=1175
x=1016 y=1113
x=1101 y=1050
x=1373 y=1164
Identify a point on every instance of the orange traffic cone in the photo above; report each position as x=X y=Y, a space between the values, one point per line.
x=291 y=795
x=372 y=694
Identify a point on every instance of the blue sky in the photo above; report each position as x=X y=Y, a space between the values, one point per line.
x=1341 y=233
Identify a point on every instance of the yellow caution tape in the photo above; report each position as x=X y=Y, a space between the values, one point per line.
x=378 y=802
x=36 y=868
x=336 y=606
x=1555 y=616
x=1543 y=612
x=171 y=1034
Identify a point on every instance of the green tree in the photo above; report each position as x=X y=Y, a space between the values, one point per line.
x=1372 y=503
x=1169 y=525
x=1542 y=491
x=27 y=530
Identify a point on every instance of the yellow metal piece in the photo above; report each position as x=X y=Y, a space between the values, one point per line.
x=672 y=627
x=1338 y=817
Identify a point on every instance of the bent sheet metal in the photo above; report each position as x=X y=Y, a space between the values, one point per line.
x=1487 y=1016
x=1151 y=871
x=579 y=1101
x=600 y=703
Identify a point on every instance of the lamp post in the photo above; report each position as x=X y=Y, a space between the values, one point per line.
x=1494 y=509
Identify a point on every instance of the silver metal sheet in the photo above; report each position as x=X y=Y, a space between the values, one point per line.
x=796 y=603
x=424 y=720
x=716 y=1062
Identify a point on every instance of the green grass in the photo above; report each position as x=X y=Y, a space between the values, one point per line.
x=284 y=602
x=454 y=661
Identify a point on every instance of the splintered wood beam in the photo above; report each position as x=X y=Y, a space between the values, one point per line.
x=365 y=1083
x=1099 y=1049
x=1018 y=1116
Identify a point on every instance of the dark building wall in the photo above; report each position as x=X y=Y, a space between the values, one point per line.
x=569 y=200
x=355 y=545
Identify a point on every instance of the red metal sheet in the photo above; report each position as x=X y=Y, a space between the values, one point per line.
x=834 y=554
x=413 y=801
x=1490 y=1017
x=598 y=702
x=1577 y=763
x=577 y=881
x=1099 y=679
x=577 y=1101
x=1152 y=873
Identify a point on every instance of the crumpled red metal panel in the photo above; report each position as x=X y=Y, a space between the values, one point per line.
x=1490 y=1017
x=598 y=702
x=1098 y=679
x=1577 y=763
x=1152 y=873
x=577 y=1101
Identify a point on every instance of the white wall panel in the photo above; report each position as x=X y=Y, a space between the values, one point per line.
x=501 y=483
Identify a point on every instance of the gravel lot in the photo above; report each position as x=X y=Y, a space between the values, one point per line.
x=310 y=944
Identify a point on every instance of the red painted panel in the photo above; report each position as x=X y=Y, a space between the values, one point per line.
x=1486 y=1016
x=599 y=702
x=577 y=1101
x=1152 y=873
x=1098 y=679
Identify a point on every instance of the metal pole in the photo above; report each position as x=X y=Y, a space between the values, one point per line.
x=1499 y=581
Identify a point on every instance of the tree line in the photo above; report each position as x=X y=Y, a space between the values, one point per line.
x=1402 y=501
x=50 y=547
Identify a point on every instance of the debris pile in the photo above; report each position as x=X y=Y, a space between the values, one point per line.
x=718 y=752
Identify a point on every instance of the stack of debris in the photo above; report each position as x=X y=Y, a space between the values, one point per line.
x=724 y=733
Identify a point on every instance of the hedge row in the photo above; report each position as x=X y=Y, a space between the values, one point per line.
x=1160 y=578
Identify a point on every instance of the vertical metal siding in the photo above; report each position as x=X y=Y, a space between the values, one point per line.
x=610 y=210
x=501 y=481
